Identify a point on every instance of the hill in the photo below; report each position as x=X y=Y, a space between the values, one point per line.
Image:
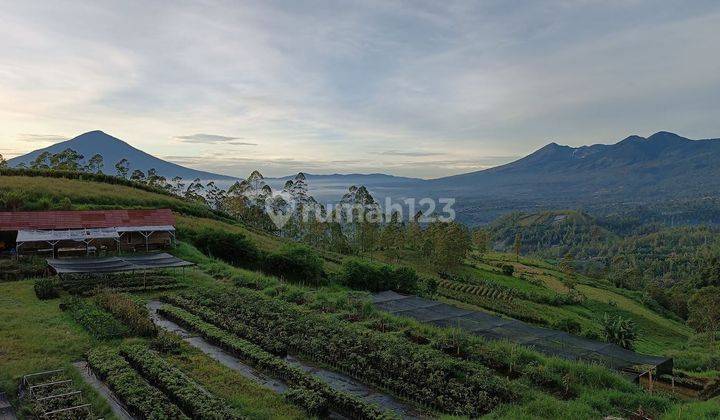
x=600 y=178
x=112 y=150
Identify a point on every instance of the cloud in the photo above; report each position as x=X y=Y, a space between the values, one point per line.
x=41 y=138
x=408 y=153
x=214 y=138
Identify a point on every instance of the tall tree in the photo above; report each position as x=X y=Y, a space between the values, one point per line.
x=177 y=185
x=67 y=160
x=95 y=164
x=122 y=167
x=517 y=247
x=3 y=162
x=41 y=161
x=137 y=176
x=481 y=240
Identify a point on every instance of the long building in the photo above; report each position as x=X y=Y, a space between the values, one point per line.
x=61 y=233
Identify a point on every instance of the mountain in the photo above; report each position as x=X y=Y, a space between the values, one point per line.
x=112 y=150
x=636 y=171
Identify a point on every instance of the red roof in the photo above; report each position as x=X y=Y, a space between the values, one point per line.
x=84 y=219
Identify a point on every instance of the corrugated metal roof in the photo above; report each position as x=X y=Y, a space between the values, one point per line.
x=46 y=220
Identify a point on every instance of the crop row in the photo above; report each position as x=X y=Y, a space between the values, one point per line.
x=132 y=314
x=262 y=360
x=98 y=322
x=86 y=285
x=419 y=373
x=490 y=291
x=141 y=398
x=274 y=344
x=188 y=395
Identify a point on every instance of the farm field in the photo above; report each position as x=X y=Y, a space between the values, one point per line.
x=267 y=321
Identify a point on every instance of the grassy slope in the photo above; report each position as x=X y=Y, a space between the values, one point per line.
x=36 y=335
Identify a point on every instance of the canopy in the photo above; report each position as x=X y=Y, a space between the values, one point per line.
x=78 y=235
x=550 y=342
x=116 y=264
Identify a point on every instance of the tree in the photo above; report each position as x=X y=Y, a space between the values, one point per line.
x=392 y=237
x=95 y=164
x=517 y=246
x=41 y=161
x=566 y=264
x=447 y=244
x=137 y=176
x=177 y=185
x=195 y=191
x=155 y=180
x=704 y=310
x=12 y=200
x=481 y=240
x=3 y=162
x=67 y=160
x=214 y=195
x=619 y=330
x=122 y=167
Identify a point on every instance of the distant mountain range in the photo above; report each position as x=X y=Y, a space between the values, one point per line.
x=636 y=171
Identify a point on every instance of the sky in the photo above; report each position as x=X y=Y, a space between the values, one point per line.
x=412 y=88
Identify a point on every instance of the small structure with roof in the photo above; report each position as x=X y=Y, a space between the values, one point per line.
x=60 y=233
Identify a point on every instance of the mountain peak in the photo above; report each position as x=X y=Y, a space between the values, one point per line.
x=666 y=136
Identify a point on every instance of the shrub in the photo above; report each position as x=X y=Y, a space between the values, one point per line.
x=167 y=343
x=127 y=310
x=233 y=248
x=46 y=289
x=99 y=323
x=508 y=269
x=297 y=263
x=365 y=275
x=311 y=401
x=619 y=330
x=568 y=325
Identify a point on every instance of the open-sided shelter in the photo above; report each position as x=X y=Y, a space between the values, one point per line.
x=61 y=233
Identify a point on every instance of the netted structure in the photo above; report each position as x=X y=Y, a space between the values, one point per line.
x=550 y=342
x=116 y=264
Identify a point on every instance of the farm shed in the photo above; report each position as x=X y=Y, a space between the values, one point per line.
x=85 y=232
x=543 y=340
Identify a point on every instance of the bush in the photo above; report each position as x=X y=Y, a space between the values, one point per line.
x=167 y=343
x=364 y=275
x=508 y=269
x=46 y=289
x=127 y=310
x=297 y=263
x=311 y=401
x=620 y=331
x=568 y=325
x=233 y=248
x=99 y=323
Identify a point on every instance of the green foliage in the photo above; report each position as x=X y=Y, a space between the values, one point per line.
x=46 y=288
x=704 y=310
x=141 y=398
x=508 y=269
x=167 y=343
x=568 y=325
x=366 y=275
x=188 y=395
x=234 y=248
x=297 y=263
x=99 y=323
x=396 y=364
x=124 y=308
x=311 y=401
x=619 y=330
x=203 y=321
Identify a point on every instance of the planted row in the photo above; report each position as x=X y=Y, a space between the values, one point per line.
x=80 y=284
x=134 y=315
x=99 y=323
x=141 y=398
x=188 y=395
x=419 y=373
x=252 y=354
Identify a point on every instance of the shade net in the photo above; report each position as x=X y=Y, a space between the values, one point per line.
x=115 y=264
x=547 y=341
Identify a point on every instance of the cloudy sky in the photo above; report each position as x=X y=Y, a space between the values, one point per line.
x=418 y=88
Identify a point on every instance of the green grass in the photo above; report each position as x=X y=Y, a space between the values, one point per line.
x=36 y=335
